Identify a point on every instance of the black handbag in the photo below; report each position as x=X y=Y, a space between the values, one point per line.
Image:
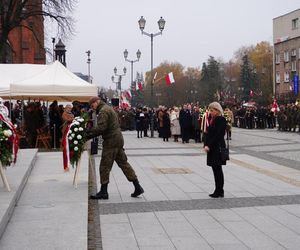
x=224 y=152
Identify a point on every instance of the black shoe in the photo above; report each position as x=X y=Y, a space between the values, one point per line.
x=217 y=195
x=99 y=196
x=138 y=190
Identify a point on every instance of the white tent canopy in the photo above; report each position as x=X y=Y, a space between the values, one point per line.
x=45 y=82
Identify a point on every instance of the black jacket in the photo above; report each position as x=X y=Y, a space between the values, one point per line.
x=215 y=140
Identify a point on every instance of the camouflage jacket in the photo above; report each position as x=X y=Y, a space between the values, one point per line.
x=108 y=126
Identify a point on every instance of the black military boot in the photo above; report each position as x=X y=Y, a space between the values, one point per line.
x=102 y=194
x=138 y=190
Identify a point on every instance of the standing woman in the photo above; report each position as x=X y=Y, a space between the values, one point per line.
x=166 y=128
x=214 y=141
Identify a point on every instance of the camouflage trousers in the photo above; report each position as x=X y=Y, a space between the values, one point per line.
x=109 y=155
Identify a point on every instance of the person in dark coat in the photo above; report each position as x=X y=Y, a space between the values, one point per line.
x=55 y=124
x=185 y=120
x=214 y=141
x=166 y=128
x=139 y=122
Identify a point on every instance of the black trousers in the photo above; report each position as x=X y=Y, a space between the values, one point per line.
x=219 y=179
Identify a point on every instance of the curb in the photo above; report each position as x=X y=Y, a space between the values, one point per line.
x=14 y=201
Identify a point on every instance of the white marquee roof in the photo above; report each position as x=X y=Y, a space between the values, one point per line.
x=45 y=82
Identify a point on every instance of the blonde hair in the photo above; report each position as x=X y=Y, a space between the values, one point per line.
x=216 y=106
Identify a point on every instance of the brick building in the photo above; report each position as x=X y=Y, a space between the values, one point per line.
x=286 y=38
x=27 y=47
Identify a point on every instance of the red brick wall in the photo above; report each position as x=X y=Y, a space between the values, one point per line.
x=26 y=48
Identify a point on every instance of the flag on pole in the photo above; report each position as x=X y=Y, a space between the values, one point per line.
x=169 y=78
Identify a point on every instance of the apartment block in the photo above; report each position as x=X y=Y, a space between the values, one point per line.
x=286 y=39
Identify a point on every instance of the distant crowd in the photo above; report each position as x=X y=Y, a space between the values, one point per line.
x=184 y=123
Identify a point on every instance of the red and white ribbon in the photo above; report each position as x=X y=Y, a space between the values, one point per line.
x=65 y=144
x=4 y=118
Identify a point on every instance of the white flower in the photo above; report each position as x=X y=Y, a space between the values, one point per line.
x=73 y=135
x=80 y=129
x=76 y=149
x=79 y=137
x=81 y=120
x=7 y=133
x=75 y=129
x=70 y=138
x=75 y=142
x=77 y=123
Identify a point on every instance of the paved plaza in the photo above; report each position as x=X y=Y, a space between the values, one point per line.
x=260 y=210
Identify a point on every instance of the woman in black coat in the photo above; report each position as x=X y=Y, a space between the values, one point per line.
x=214 y=141
x=166 y=128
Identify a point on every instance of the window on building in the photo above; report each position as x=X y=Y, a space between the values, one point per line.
x=294 y=66
x=294 y=52
x=295 y=23
x=286 y=76
x=277 y=77
x=277 y=58
x=286 y=56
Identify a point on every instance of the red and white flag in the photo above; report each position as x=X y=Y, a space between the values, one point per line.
x=169 y=79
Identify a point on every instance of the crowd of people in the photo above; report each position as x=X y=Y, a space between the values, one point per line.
x=187 y=122
x=32 y=117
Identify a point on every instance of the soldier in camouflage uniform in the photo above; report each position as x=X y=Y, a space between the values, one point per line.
x=113 y=142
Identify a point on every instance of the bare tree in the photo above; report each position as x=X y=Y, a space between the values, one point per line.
x=22 y=13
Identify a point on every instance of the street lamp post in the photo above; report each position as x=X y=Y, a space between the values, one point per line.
x=118 y=83
x=161 y=25
x=89 y=65
x=138 y=55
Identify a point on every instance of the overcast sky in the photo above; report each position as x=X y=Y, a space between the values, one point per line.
x=194 y=30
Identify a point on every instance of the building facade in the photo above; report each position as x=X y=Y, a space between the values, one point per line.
x=286 y=39
x=26 y=46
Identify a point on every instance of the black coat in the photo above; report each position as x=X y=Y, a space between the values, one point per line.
x=215 y=140
x=139 y=121
x=166 y=129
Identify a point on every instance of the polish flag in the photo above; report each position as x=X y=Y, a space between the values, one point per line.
x=169 y=78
